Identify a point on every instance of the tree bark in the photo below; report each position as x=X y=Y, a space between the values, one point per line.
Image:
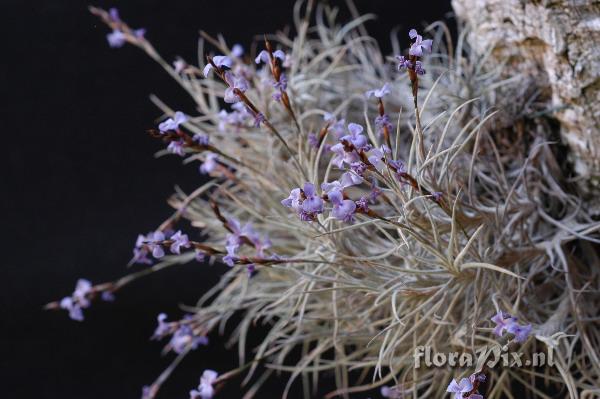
x=559 y=42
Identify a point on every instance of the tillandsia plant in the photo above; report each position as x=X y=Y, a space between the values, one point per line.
x=369 y=205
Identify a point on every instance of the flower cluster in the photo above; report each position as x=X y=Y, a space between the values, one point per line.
x=78 y=300
x=418 y=49
x=81 y=299
x=244 y=235
x=121 y=33
x=182 y=334
x=308 y=204
x=154 y=242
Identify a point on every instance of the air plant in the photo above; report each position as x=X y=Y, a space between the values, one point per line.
x=368 y=204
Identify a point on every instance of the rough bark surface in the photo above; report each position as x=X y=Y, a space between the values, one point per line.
x=559 y=42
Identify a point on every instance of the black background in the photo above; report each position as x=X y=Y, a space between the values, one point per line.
x=80 y=182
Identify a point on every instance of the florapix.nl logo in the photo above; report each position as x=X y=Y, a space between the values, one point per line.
x=491 y=356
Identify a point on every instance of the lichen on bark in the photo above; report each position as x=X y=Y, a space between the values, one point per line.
x=557 y=45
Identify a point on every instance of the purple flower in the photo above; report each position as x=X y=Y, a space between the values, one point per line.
x=139 y=33
x=358 y=141
x=306 y=216
x=276 y=96
x=116 y=38
x=419 y=68
x=140 y=251
x=399 y=167
x=154 y=243
x=437 y=196
x=82 y=289
x=238 y=118
x=107 y=296
x=205 y=389
x=179 y=65
x=350 y=179
x=376 y=157
x=149 y=392
x=374 y=194
x=173 y=123
x=480 y=377
x=201 y=139
x=184 y=338
x=263 y=56
x=313 y=140
x=236 y=238
x=140 y=255
x=420 y=46
x=403 y=62
x=281 y=84
x=383 y=122
x=342 y=209
x=294 y=200
x=223 y=117
x=362 y=204
x=359 y=168
x=509 y=323
x=236 y=231
x=210 y=163
x=78 y=300
x=338 y=128
x=75 y=312
x=390 y=393
x=163 y=327
x=459 y=388
x=199 y=255
x=329 y=117
x=355 y=137
x=234 y=82
x=259 y=118
x=220 y=61
x=176 y=147
x=502 y=323
x=179 y=240
x=520 y=332
x=114 y=14
x=231 y=256
x=260 y=243
x=312 y=203
x=279 y=54
x=329 y=187
x=379 y=93
x=237 y=50
x=308 y=206
x=346 y=180
x=340 y=155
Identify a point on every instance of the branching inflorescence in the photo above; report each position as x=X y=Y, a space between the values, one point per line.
x=366 y=208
